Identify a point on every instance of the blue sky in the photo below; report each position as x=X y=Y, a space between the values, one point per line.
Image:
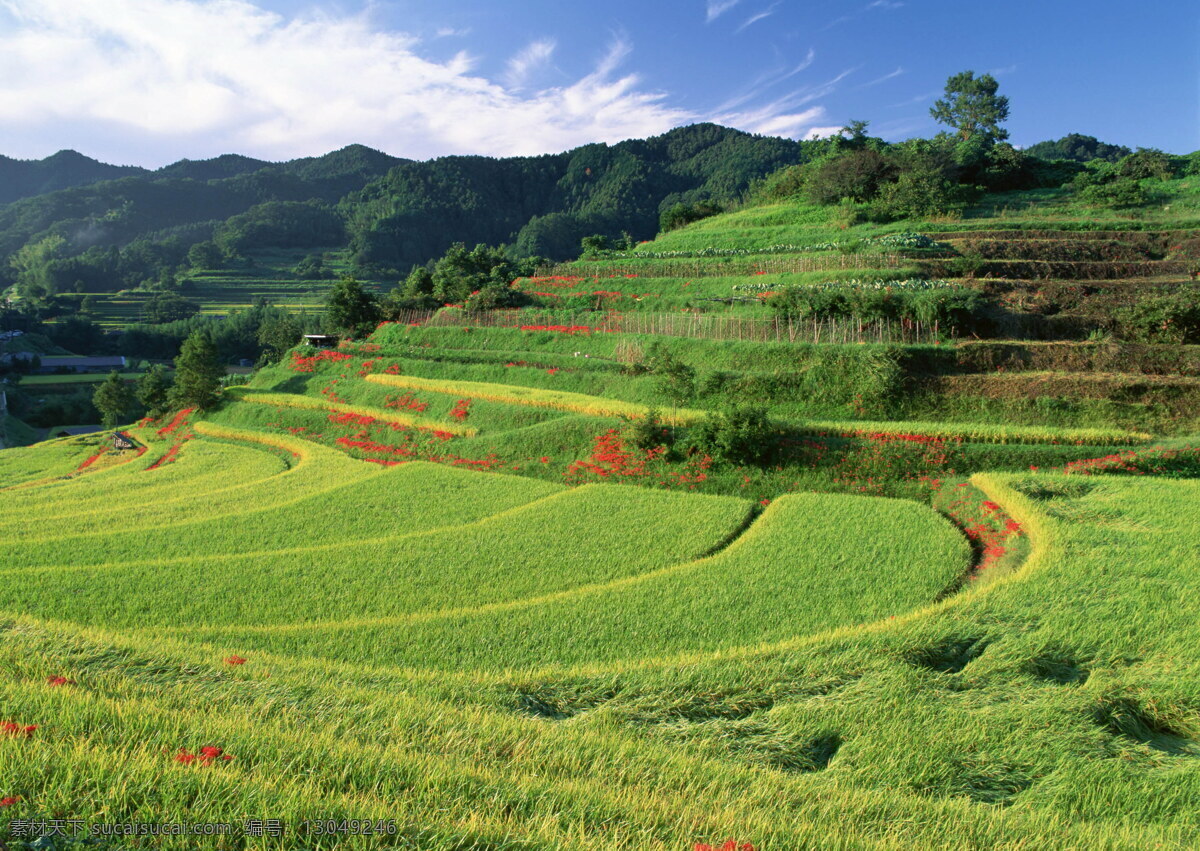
x=152 y=81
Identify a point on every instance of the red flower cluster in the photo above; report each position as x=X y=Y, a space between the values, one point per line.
x=1153 y=461
x=12 y=728
x=59 y=681
x=728 y=845
x=235 y=660
x=179 y=420
x=984 y=522
x=394 y=369
x=350 y=418
x=207 y=756
x=886 y=457
x=407 y=402
x=561 y=329
x=169 y=455
x=90 y=461
x=300 y=363
x=8 y=802
x=462 y=409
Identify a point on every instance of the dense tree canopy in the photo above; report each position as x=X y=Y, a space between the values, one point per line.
x=972 y=107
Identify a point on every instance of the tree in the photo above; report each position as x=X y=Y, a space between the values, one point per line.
x=112 y=399
x=278 y=334
x=153 y=391
x=351 y=309
x=198 y=373
x=31 y=266
x=205 y=255
x=972 y=107
x=168 y=307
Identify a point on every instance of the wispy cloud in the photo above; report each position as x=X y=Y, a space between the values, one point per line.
x=1000 y=72
x=173 y=78
x=754 y=19
x=716 y=8
x=451 y=32
x=529 y=59
x=766 y=81
x=884 y=78
x=784 y=115
x=883 y=5
x=913 y=101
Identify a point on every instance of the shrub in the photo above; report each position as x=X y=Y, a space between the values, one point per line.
x=648 y=432
x=738 y=435
x=674 y=379
x=856 y=175
x=1173 y=318
x=1126 y=192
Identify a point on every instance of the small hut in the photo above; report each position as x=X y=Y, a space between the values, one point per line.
x=122 y=441
x=322 y=341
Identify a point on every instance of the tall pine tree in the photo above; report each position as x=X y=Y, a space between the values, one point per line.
x=198 y=373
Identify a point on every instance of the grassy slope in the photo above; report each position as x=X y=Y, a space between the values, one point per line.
x=1053 y=709
x=502 y=663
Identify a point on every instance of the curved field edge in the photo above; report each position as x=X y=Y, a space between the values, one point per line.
x=596 y=405
x=640 y=737
x=293 y=400
x=790 y=572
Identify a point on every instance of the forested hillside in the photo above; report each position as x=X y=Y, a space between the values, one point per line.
x=393 y=213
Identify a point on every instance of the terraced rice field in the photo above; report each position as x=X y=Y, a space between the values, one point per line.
x=494 y=661
x=427 y=584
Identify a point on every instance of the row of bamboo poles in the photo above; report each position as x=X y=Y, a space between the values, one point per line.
x=776 y=329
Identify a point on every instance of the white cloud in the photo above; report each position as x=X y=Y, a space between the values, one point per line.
x=754 y=19
x=717 y=8
x=884 y=4
x=194 y=78
x=451 y=32
x=531 y=57
x=152 y=81
x=893 y=75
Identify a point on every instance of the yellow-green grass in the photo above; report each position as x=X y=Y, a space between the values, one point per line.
x=980 y=433
x=1014 y=750
x=294 y=400
x=133 y=494
x=514 y=552
x=578 y=403
x=791 y=573
x=376 y=507
x=583 y=403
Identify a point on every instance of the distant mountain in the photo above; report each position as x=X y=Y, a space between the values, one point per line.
x=392 y=212
x=217 y=168
x=546 y=204
x=23 y=178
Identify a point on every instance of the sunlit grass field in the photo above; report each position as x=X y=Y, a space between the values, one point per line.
x=498 y=662
x=430 y=589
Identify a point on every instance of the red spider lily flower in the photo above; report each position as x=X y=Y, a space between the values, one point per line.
x=59 y=681
x=11 y=728
x=764 y=502
x=210 y=754
x=90 y=461
x=544 y=460
x=728 y=845
x=8 y=802
x=235 y=660
x=185 y=757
